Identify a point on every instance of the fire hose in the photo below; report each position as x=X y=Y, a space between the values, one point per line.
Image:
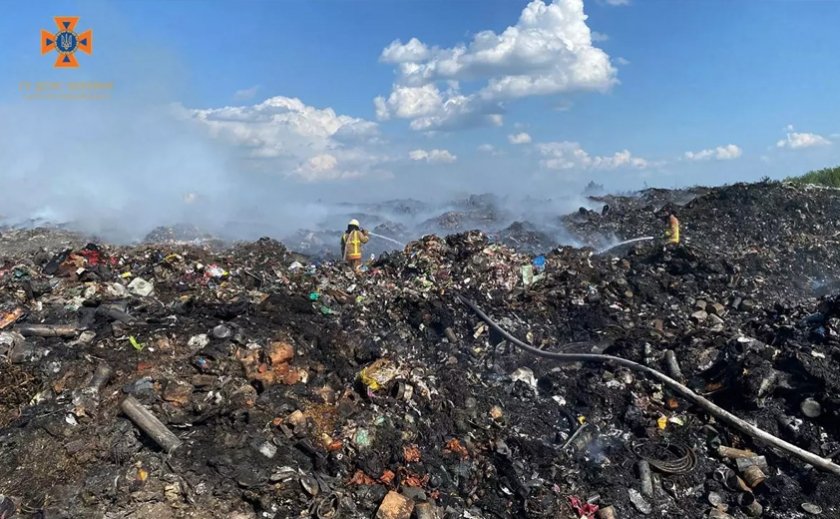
x=711 y=408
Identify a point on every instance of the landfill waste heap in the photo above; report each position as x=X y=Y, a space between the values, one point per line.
x=194 y=381
x=527 y=225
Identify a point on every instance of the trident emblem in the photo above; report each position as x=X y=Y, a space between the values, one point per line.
x=64 y=41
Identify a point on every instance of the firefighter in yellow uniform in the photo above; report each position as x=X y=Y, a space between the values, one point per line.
x=673 y=232
x=351 y=244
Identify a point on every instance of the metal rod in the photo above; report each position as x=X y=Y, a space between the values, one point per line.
x=145 y=420
x=733 y=453
x=673 y=365
x=574 y=435
x=47 y=330
x=101 y=376
x=646 y=478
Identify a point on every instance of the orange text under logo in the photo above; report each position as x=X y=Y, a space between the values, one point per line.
x=66 y=42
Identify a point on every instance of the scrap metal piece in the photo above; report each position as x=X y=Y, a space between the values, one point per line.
x=149 y=423
x=669 y=458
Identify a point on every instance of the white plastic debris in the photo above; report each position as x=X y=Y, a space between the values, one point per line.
x=197 y=342
x=639 y=502
x=116 y=290
x=268 y=449
x=525 y=375
x=140 y=287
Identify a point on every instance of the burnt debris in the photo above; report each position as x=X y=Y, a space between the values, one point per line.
x=196 y=379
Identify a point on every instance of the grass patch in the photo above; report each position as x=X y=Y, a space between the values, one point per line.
x=829 y=177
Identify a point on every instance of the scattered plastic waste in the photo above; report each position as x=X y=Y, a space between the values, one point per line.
x=140 y=287
x=582 y=508
x=396 y=387
x=215 y=271
x=362 y=438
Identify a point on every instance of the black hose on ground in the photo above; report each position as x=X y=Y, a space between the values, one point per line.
x=708 y=406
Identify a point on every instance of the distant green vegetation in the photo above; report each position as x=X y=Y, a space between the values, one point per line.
x=829 y=177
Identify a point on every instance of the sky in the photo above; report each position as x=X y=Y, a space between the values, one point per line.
x=264 y=109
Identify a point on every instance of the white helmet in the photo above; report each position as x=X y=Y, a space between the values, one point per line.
x=354 y=222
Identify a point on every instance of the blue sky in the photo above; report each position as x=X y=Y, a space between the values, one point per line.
x=495 y=95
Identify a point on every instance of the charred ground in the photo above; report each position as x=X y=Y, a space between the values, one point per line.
x=303 y=391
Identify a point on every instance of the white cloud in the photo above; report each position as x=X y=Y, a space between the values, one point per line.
x=246 y=93
x=599 y=36
x=325 y=167
x=433 y=156
x=409 y=102
x=622 y=61
x=797 y=140
x=298 y=140
x=618 y=2
x=458 y=112
x=567 y=155
x=321 y=163
x=728 y=152
x=356 y=131
x=519 y=138
x=413 y=51
x=548 y=51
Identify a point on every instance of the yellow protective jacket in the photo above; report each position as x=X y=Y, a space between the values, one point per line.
x=351 y=243
x=673 y=233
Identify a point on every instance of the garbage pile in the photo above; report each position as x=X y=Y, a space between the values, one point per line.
x=786 y=236
x=525 y=237
x=527 y=224
x=177 y=233
x=183 y=380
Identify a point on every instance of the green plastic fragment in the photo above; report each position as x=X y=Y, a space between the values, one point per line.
x=137 y=344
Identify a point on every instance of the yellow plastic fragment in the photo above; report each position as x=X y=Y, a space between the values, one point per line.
x=369 y=381
x=379 y=374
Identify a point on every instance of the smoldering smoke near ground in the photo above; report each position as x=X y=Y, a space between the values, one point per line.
x=118 y=171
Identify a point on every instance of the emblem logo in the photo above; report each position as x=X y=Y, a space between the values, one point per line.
x=66 y=42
